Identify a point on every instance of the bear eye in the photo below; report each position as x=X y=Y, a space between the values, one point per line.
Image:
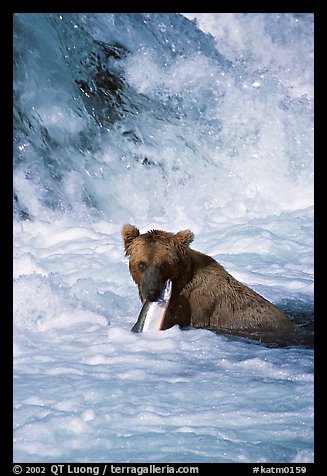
x=141 y=266
x=163 y=266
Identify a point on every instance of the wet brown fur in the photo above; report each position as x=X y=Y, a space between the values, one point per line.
x=204 y=294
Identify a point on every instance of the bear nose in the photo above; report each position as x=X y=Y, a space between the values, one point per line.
x=152 y=294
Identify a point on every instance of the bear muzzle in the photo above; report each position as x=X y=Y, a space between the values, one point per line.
x=152 y=284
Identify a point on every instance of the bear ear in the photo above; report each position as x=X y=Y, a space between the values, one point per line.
x=129 y=233
x=184 y=237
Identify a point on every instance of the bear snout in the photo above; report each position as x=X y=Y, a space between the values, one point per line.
x=152 y=284
x=151 y=294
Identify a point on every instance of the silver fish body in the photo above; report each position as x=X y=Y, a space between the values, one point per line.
x=152 y=314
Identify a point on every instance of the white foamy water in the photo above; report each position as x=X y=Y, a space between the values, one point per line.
x=162 y=122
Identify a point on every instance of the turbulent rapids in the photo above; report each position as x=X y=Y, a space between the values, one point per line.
x=171 y=121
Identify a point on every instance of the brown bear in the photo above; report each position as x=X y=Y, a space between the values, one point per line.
x=204 y=294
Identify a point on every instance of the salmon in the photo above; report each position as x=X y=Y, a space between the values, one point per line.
x=153 y=313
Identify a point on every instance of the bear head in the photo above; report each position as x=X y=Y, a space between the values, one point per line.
x=154 y=257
